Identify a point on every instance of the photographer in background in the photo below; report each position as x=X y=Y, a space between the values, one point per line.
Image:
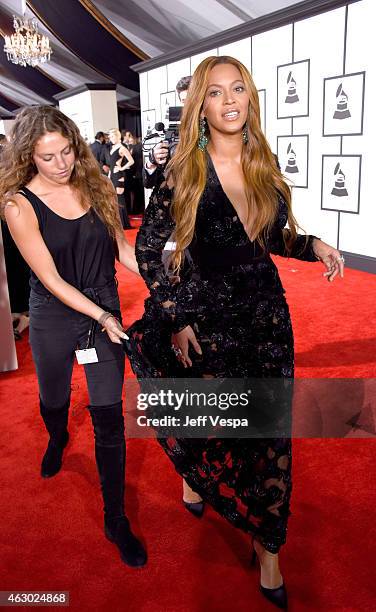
x=151 y=171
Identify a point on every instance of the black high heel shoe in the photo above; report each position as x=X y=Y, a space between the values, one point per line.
x=277 y=596
x=195 y=508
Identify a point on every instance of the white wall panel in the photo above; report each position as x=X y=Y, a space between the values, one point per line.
x=104 y=110
x=357 y=232
x=92 y=111
x=78 y=108
x=241 y=50
x=6 y=126
x=197 y=59
x=264 y=74
x=326 y=59
x=176 y=71
x=157 y=83
x=144 y=95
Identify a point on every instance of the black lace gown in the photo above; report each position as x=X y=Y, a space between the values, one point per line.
x=241 y=319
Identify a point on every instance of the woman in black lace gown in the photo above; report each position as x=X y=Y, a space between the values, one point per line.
x=227 y=315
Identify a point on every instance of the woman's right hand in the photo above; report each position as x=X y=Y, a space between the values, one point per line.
x=180 y=345
x=115 y=330
x=160 y=152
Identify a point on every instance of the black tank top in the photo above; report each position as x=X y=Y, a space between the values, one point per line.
x=82 y=249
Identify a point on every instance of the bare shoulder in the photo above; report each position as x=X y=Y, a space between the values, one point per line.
x=19 y=208
x=123 y=151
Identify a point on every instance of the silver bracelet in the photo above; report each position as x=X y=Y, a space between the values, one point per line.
x=103 y=318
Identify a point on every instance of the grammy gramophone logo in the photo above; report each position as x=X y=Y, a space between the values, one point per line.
x=291 y=166
x=341 y=112
x=292 y=96
x=339 y=188
x=166 y=107
x=148 y=126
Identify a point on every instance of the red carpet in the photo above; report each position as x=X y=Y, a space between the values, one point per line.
x=52 y=536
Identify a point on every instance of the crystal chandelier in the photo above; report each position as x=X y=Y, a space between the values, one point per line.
x=26 y=46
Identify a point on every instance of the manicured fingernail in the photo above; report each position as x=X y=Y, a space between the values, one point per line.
x=125 y=336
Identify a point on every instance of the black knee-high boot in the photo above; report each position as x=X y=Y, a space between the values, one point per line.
x=108 y=426
x=56 y=421
x=123 y=211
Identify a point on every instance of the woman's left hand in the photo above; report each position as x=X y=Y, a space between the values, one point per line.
x=331 y=258
x=180 y=345
x=115 y=330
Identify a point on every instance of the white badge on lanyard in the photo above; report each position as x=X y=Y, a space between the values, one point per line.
x=88 y=354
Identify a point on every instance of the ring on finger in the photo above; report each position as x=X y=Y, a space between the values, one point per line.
x=176 y=350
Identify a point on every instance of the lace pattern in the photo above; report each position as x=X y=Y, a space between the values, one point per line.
x=242 y=322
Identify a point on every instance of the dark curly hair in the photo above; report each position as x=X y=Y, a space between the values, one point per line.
x=18 y=168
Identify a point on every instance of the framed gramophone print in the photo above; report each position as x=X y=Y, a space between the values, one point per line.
x=293 y=89
x=343 y=105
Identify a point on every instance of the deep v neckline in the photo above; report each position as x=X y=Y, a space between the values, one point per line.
x=118 y=145
x=225 y=194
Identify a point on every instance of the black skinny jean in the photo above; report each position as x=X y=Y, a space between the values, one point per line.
x=56 y=331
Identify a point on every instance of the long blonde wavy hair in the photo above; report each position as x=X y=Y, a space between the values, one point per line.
x=187 y=168
x=18 y=168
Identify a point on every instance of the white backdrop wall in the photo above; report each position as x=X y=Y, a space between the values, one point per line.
x=329 y=55
x=6 y=126
x=8 y=355
x=78 y=108
x=92 y=111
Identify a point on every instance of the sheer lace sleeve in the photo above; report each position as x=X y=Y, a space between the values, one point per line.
x=153 y=179
x=302 y=247
x=154 y=232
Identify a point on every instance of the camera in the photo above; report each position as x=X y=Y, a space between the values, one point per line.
x=169 y=135
x=172 y=133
